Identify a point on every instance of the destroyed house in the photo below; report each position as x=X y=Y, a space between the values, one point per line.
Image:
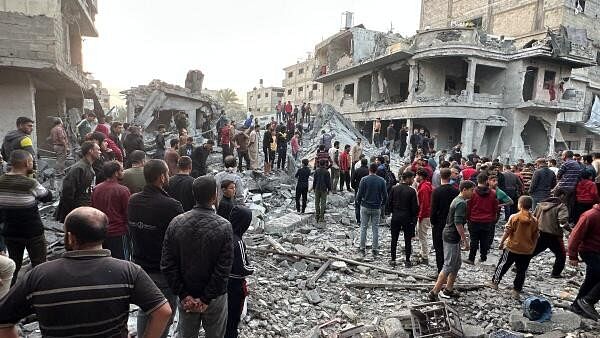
x=41 y=63
x=459 y=84
x=161 y=103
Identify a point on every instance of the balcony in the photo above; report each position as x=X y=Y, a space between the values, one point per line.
x=85 y=11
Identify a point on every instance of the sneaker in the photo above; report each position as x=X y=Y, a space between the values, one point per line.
x=515 y=294
x=491 y=285
x=588 y=309
x=447 y=294
x=482 y=259
x=392 y=262
x=468 y=261
x=432 y=297
x=579 y=311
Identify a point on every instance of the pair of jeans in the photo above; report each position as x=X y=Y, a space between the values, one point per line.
x=301 y=192
x=369 y=216
x=36 y=248
x=142 y=318
x=556 y=244
x=335 y=177
x=506 y=261
x=246 y=157
x=344 y=178
x=320 y=204
x=590 y=288
x=409 y=232
x=281 y=158
x=479 y=233
x=213 y=320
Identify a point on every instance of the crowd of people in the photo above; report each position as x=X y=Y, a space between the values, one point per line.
x=167 y=235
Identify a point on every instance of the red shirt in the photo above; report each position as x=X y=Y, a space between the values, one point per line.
x=226 y=135
x=112 y=199
x=586 y=192
x=424 y=196
x=288 y=108
x=586 y=235
x=483 y=206
x=468 y=172
x=344 y=161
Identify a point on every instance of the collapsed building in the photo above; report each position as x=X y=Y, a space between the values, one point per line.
x=41 y=63
x=171 y=105
x=459 y=84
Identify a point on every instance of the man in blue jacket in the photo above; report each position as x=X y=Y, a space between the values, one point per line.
x=372 y=195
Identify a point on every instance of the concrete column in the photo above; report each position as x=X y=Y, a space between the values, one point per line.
x=471 y=79
x=539 y=84
x=466 y=134
x=375 y=86
x=413 y=79
x=409 y=126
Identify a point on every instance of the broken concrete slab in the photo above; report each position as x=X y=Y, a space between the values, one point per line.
x=348 y=312
x=561 y=320
x=283 y=224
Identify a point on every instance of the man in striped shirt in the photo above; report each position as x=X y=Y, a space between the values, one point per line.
x=19 y=197
x=86 y=293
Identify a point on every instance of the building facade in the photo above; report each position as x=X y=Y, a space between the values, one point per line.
x=527 y=22
x=459 y=84
x=41 y=62
x=262 y=100
x=299 y=83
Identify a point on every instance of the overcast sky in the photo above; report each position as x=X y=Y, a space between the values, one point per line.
x=234 y=43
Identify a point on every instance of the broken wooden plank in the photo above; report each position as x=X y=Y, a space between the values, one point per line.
x=278 y=247
x=337 y=258
x=313 y=280
x=411 y=286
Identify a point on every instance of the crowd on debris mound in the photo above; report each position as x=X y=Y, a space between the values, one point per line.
x=166 y=235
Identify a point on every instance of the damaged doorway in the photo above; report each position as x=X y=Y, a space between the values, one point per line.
x=489 y=143
x=535 y=138
x=364 y=89
x=529 y=83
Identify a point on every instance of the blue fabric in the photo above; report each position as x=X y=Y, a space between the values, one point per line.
x=372 y=193
x=537 y=309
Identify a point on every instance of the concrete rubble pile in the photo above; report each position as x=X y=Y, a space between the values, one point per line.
x=309 y=280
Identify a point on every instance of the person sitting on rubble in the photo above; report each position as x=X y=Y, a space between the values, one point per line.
x=229 y=174
x=199 y=157
x=237 y=289
x=228 y=200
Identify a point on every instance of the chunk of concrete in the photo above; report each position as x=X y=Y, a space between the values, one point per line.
x=561 y=320
x=394 y=329
x=470 y=331
x=283 y=224
x=313 y=297
x=348 y=312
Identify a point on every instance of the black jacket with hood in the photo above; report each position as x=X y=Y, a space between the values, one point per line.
x=240 y=219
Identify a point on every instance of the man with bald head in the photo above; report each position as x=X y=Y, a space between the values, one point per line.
x=104 y=288
x=19 y=198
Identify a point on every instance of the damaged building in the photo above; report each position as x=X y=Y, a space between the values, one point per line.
x=41 y=62
x=172 y=105
x=459 y=84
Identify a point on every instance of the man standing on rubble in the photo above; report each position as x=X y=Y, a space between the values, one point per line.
x=326 y=139
x=133 y=178
x=482 y=211
x=226 y=136
x=241 y=141
x=288 y=111
x=253 y=147
x=403 y=205
x=568 y=177
x=180 y=185
x=344 y=163
x=372 y=196
x=160 y=142
x=441 y=198
x=334 y=155
x=78 y=183
x=355 y=152
x=172 y=156
x=424 y=218
x=19 y=197
x=377 y=132
x=391 y=136
x=196 y=260
x=415 y=143
x=149 y=215
x=199 y=158
x=322 y=187
x=60 y=145
x=402 y=140
x=86 y=126
x=19 y=139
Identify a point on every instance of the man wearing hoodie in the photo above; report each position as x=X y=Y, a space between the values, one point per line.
x=19 y=139
x=552 y=214
x=482 y=210
x=424 y=223
x=542 y=182
x=237 y=289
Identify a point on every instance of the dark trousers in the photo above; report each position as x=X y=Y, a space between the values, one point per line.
x=320 y=204
x=413 y=152
x=438 y=245
x=344 y=178
x=356 y=209
x=579 y=208
x=226 y=150
x=301 y=192
x=398 y=225
x=506 y=261
x=480 y=239
x=119 y=246
x=243 y=155
x=402 y=148
x=235 y=304
x=281 y=157
x=36 y=249
x=557 y=246
x=590 y=289
x=511 y=209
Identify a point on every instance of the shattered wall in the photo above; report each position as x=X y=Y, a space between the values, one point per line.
x=17 y=97
x=539 y=133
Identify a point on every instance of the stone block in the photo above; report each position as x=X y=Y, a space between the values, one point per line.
x=394 y=329
x=348 y=312
x=561 y=320
x=283 y=224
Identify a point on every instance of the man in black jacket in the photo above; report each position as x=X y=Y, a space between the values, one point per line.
x=199 y=157
x=322 y=187
x=196 y=259
x=180 y=185
x=441 y=198
x=302 y=186
x=403 y=205
x=359 y=173
x=149 y=214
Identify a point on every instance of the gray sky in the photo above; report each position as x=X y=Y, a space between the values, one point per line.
x=234 y=43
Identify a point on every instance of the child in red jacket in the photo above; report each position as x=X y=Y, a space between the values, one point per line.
x=586 y=194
